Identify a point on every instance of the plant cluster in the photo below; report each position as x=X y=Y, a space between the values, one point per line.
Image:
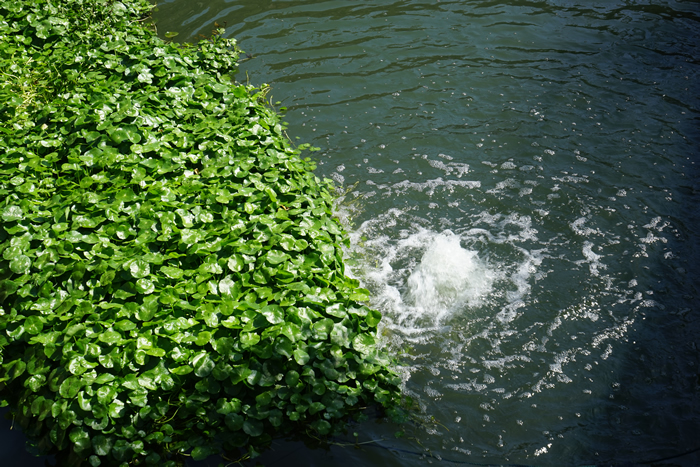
x=171 y=276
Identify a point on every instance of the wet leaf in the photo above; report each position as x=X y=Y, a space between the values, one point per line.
x=273 y=313
x=139 y=268
x=12 y=213
x=171 y=272
x=20 y=264
x=33 y=325
x=69 y=387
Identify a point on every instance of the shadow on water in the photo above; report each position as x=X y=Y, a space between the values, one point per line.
x=13 y=445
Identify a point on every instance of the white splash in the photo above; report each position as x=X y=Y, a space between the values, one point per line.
x=448 y=278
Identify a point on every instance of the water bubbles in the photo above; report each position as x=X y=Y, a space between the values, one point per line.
x=447 y=278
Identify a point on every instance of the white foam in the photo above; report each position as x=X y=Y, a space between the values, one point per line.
x=448 y=278
x=422 y=280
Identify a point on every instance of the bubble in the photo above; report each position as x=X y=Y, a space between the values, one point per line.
x=448 y=277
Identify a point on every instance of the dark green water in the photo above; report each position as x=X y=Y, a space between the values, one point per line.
x=525 y=178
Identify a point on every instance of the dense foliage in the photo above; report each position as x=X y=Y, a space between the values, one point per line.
x=171 y=276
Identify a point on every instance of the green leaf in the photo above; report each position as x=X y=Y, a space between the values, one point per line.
x=284 y=347
x=234 y=421
x=102 y=445
x=80 y=439
x=340 y=335
x=139 y=268
x=249 y=339
x=12 y=213
x=145 y=286
x=292 y=331
x=322 y=426
x=364 y=343
x=301 y=356
x=79 y=365
x=273 y=313
x=69 y=387
x=33 y=324
x=203 y=365
x=291 y=378
x=253 y=427
x=171 y=272
x=276 y=256
x=229 y=288
x=200 y=453
x=125 y=325
x=182 y=370
x=20 y=265
x=203 y=338
x=110 y=337
x=236 y=263
x=124 y=133
x=322 y=328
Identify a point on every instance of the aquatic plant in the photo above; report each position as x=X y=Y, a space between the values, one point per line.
x=171 y=275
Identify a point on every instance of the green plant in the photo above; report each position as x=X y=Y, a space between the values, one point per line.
x=171 y=276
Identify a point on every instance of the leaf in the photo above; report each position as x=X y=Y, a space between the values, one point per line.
x=33 y=324
x=182 y=370
x=145 y=286
x=172 y=272
x=80 y=439
x=125 y=325
x=291 y=378
x=249 y=339
x=364 y=343
x=337 y=310
x=284 y=347
x=292 y=331
x=276 y=256
x=301 y=357
x=110 y=337
x=236 y=263
x=322 y=426
x=69 y=387
x=203 y=365
x=12 y=213
x=139 y=268
x=273 y=313
x=234 y=421
x=253 y=427
x=102 y=445
x=20 y=265
x=124 y=133
x=78 y=365
x=229 y=288
x=200 y=453
x=340 y=335
x=322 y=328
x=203 y=338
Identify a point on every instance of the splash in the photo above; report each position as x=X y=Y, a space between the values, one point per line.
x=449 y=278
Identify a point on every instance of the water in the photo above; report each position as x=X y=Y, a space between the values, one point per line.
x=522 y=201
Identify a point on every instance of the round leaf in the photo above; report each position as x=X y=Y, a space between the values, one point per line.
x=33 y=324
